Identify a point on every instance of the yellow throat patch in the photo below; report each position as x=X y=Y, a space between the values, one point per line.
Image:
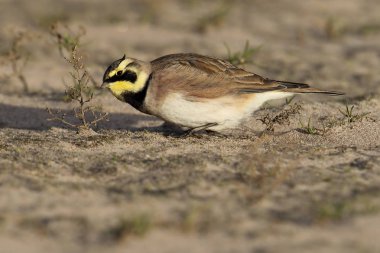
x=119 y=87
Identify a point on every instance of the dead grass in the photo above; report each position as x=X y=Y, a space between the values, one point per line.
x=67 y=39
x=281 y=118
x=17 y=57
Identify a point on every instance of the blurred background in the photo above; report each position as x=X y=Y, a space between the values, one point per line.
x=333 y=44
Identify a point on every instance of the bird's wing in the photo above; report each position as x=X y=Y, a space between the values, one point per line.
x=206 y=77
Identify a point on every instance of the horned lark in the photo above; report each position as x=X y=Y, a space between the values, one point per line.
x=195 y=92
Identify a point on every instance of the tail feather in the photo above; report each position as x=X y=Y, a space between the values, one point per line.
x=305 y=88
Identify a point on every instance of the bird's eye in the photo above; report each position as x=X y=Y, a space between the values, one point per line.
x=119 y=73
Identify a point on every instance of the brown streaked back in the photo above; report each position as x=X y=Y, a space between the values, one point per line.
x=202 y=77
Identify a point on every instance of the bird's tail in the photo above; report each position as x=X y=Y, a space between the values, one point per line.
x=305 y=88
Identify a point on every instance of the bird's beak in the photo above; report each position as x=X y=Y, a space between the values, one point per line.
x=104 y=85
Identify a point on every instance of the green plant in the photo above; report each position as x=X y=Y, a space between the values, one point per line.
x=242 y=57
x=349 y=116
x=80 y=92
x=309 y=128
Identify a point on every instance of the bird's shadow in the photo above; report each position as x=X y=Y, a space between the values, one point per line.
x=29 y=118
x=37 y=119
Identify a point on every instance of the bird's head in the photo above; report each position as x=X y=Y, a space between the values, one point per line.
x=126 y=75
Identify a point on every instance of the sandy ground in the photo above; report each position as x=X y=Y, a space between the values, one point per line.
x=137 y=187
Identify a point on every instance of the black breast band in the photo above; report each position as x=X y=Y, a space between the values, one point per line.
x=137 y=99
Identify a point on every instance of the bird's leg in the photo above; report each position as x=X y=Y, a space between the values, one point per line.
x=217 y=134
x=199 y=128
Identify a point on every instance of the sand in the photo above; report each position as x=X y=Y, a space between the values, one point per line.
x=136 y=186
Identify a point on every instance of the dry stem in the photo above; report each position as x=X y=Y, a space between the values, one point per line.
x=79 y=91
x=281 y=118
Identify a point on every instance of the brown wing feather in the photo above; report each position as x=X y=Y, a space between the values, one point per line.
x=200 y=72
x=206 y=77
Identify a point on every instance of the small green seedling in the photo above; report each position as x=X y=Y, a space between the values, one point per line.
x=309 y=128
x=349 y=116
x=242 y=57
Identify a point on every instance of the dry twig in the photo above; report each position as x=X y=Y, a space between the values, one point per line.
x=80 y=92
x=17 y=57
x=66 y=39
x=281 y=118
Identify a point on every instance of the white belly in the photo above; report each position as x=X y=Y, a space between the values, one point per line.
x=227 y=112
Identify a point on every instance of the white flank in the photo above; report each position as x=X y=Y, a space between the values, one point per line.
x=225 y=111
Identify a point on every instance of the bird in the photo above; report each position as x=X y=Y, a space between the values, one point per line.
x=196 y=92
